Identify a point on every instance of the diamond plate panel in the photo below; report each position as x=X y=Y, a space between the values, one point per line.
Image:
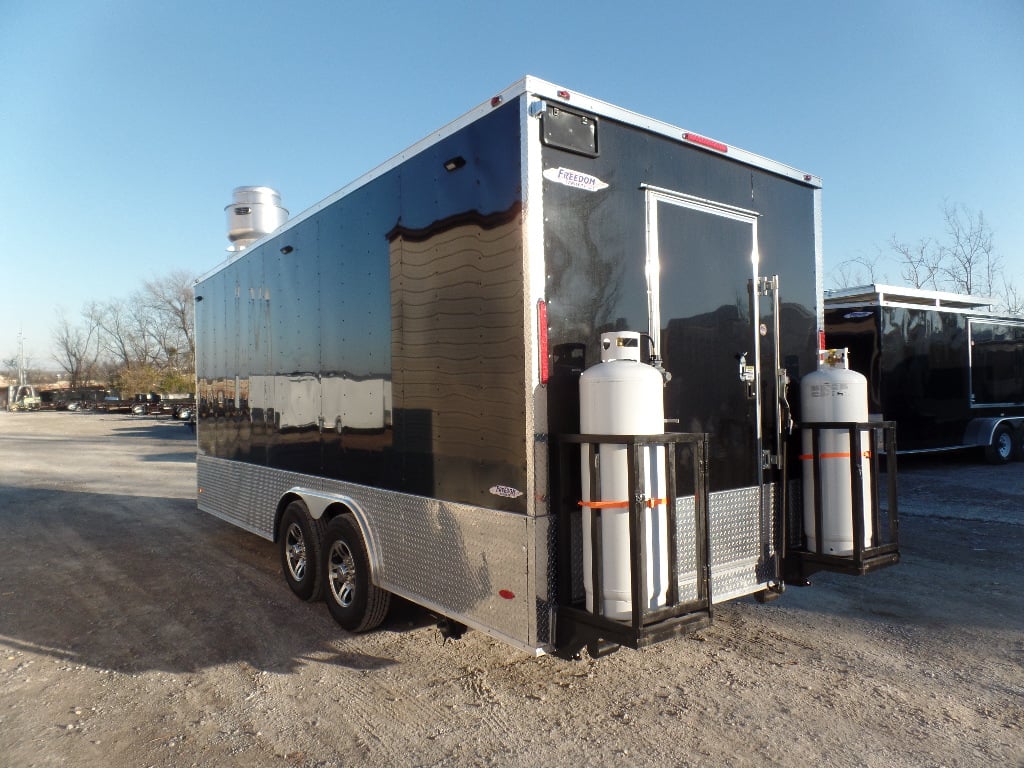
x=735 y=521
x=686 y=548
x=742 y=524
x=469 y=563
x=742 y=543
x=245 y=494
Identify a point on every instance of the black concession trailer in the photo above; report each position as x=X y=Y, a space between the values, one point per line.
x=389 y=385
x=945 y=369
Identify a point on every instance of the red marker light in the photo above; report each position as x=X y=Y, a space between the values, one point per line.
x=495 y=101
x=563 y=95
x=821 y=340
x=507 y=594
x=704 y=141
x=542 y=340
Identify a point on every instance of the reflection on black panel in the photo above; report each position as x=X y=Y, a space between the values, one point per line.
x=997 y=362
x=925 y=377
x=380 y=340
x=595 y=246
x=458 y=352
x=932 y=371
x=707 y=328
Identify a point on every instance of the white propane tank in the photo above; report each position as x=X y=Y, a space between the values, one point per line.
x=622 y=396
x=834 y=393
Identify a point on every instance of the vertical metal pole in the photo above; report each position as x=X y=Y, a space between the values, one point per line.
x=637 y=539
x=596 y=542
x=671 y=515
x=857 y=494
x=701 y=502
x=701 y=543
x=566 y=512
x=890 y=455
x=874 y=463
x=819 y=538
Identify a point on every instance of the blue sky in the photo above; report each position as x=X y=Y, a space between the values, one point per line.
x=124 y=125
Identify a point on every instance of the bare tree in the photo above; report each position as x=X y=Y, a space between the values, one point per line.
x=148 y=339
x=112 y=321
x=969 y=259
x=1012 y=299
x=170 y=299
x=965 y=261
x=128 y=332
x=860 y=270
x=920 y=263
x=76 y=348
x=10 y=366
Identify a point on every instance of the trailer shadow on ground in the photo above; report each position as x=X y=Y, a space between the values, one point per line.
x=164 y=429
x=938 y=559
x=134 y=583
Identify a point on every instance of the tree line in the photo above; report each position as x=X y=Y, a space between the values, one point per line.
x=963 y=260
x=142 y=343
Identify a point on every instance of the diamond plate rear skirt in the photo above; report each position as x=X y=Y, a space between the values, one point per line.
x=472 y=564
x=489 y=569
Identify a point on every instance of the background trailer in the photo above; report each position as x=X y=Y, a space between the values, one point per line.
x=388 y=385
x=950 y=373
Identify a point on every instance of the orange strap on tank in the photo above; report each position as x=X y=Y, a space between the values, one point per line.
x=619 y=504
x=808 y=456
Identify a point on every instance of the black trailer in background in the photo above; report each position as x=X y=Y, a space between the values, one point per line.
x=946 y=370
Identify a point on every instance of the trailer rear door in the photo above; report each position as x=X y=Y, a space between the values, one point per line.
x=716 y=334
x=702 y=261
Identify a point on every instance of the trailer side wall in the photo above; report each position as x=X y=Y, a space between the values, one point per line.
x=930 y=370
x=371 y=357
x=380 y=341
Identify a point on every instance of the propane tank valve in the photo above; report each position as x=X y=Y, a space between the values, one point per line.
x=654 y=360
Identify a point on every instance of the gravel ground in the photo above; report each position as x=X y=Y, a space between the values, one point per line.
x=137 y=631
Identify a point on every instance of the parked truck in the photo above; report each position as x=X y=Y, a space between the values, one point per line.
x=539 y=374
x=947 y=370
x=23 y=398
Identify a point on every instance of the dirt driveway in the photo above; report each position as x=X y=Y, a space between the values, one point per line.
x=137 y=631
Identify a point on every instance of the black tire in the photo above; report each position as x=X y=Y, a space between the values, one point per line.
x=1018 y=443
x=353 y=600
x=301 y=547
x=1001 y=449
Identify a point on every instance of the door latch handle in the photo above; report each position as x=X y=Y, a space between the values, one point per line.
x=747 y=372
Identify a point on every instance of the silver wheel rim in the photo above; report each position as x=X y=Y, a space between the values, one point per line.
x=295 y=551
x=1005 y=445
x=342 y=574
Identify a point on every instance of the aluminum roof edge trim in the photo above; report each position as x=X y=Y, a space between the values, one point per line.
x=887 y=295
x=542 y=89
x=549 y=92
x=516 y=89
x=973 y=314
